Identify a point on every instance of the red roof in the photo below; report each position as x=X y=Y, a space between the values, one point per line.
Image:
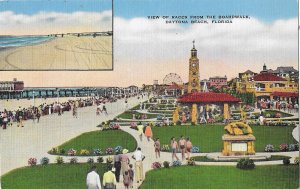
x=285 y=94
x=207 y=97
x=267 y=77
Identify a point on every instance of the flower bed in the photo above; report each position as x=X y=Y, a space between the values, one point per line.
x=156 y=165
x=32 y=161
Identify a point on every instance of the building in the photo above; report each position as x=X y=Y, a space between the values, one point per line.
x=194 y=78
x=245 y=76
x=218 y=81
x=266 y=83
x=11 y=86
x=287 y=72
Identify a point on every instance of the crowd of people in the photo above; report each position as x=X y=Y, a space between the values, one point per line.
x=34 y=113
x=121 y=168
x=291 y=107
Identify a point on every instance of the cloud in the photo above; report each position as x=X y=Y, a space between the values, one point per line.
x=12 y=23
x=244 y=44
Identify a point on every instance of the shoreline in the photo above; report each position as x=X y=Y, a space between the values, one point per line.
x=60 y=53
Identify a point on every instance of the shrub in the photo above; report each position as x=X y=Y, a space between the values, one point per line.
x=195 y=149
x=62 y=151
x=90 y=161
x=283 y=147
x=84 y=152
x=100 y=159
x=178 y=123
x=72 y=152
x=97 y=152
x=286 y=161
x=269 y=148
x=54 y=151
x=109 y=160
x=32 y=161
x=118 y=149
x=165 y=148
x=109 y=151
x=296 y=160
x=245 y=163
x=73 y=160
x=293 y=147
x=156 y=165
x=59 y=160
x=191 y=162
x=176 y=163
x=44 y=161
x=166 y=164
x=193 y=123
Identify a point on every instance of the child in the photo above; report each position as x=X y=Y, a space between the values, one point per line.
x=131 y=175
x=126 y=179
x=157 y=148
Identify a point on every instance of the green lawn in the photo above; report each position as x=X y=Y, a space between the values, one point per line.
x=53 y=176
x=223 y=177
x=209 y=137
x=102 y=140
x=128 y=115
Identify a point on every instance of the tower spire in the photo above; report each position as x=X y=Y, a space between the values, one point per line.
x=194 y=43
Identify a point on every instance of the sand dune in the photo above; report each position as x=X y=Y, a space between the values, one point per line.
x=67 y=53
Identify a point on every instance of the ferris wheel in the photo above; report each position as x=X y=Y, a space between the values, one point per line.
x=172 y=78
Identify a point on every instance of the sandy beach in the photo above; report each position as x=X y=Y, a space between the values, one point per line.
x=61 y=53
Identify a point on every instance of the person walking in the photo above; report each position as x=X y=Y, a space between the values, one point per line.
x=93 y=179
x=189 y=147
x=124 y=161
x=117 y=165
x=157 y=148
x=182 y=145
x=139 y=157
x=140 y=128
x=174 y=146
x=131 y=175
x=126 y=179
x=148 y=132
x=109 y=178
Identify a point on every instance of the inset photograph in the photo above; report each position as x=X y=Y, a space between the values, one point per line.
x=56 y=35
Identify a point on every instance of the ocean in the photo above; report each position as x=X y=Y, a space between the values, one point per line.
x=18 y=41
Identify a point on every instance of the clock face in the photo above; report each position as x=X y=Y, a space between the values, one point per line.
x=193 y=64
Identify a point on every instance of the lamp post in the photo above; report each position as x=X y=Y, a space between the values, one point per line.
x=33 y=94
x=57 y=90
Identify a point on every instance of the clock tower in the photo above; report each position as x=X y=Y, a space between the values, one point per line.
x=194 y=80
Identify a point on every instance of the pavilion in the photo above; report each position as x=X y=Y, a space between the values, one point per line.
x=196 y=99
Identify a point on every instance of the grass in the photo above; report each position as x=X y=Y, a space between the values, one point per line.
x=223 y=177
x=128 y=115
x=206 y=159
x=52 y=176
x=209 y=137
x=100 y=139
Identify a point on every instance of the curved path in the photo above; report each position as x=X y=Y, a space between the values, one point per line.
x=35 y=139
x=17 y=145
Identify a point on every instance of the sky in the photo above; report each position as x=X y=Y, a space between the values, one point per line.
x=42 y=17
x=145 y=50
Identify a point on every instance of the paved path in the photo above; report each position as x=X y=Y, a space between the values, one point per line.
x=296 y=133
x=35 y=139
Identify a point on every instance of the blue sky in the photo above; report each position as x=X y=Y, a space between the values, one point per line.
x=34 y=6
x=266 y=10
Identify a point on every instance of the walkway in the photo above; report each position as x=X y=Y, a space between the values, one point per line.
x=35 y=139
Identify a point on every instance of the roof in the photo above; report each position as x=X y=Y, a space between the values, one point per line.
x=267 y=77
x=248 y=72
x=285 y=69
x=207 y=97
x=218 y=77
x=285 y=94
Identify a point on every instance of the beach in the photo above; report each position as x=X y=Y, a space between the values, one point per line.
x=61 y=53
